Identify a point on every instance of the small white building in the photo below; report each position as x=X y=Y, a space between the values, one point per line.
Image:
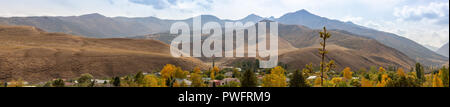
x=311 y=78
x=186 y=81
x=228 y=74
x=98 y=81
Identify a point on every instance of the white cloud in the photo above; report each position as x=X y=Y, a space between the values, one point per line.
x=434 y=11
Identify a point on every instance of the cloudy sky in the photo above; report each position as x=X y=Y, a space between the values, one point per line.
x=424 y=21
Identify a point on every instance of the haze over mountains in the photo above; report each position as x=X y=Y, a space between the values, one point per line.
x=432 y=48
x=96 y=25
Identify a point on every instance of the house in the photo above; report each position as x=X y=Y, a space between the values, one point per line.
x=229 y=74
x=228 y=80
x=311 y=78
x=14 y=83
x=206 y=79
x=211 y=83
x=229 y=67
x=69 y=84
x=187 y=82
x=98 y=81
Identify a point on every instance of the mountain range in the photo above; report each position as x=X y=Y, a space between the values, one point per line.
x=99 y=26
x=348 y=50
x=443 y=50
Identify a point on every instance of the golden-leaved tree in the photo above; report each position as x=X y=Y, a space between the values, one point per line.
x=168 y=73
x=437 y=81
x=348 y=74
x=366 y=83
x=276 y=78
x=152 y=81
x=214 y=71
x=385 y=77
x=196 y=78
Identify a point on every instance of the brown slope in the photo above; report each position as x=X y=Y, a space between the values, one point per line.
x=298 y=46
x=343 y=57
x=348 y=50
x=35 y=55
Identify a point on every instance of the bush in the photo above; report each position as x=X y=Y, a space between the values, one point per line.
x=403 y=81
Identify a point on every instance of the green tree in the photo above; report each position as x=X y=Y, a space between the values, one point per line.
x=139 y=78
x=308 y=70
x=85 y=79
x=419 y=71
x=236 y=73
x=196 y=78
x=220 y=77
x=298 y=79
x=58 y=83
x=231 y=84
x=402 y=80
x=48 y=84
x=116 y=81
x=249 y=79
x=324 y=35
x=150 y=81
x=180 y=74
x=444 y=73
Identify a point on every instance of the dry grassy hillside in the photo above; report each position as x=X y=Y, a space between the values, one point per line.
x=34 y=55
x=348 y=50
x=298 y=46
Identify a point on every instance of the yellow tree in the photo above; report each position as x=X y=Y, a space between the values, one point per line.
x=348 y=74
x=384 y=80
x=276 y=78
x=366 y=83
x=317 y=82
x=151 y=81
x=437 y=82
x=330 y=65
x=382 y=70
x=401 y=73
x=385 y=77
x=196 y=78
x=180 y=74
x=214 y=71
x=168 y=73
x=308 y=70
x=337 y=82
